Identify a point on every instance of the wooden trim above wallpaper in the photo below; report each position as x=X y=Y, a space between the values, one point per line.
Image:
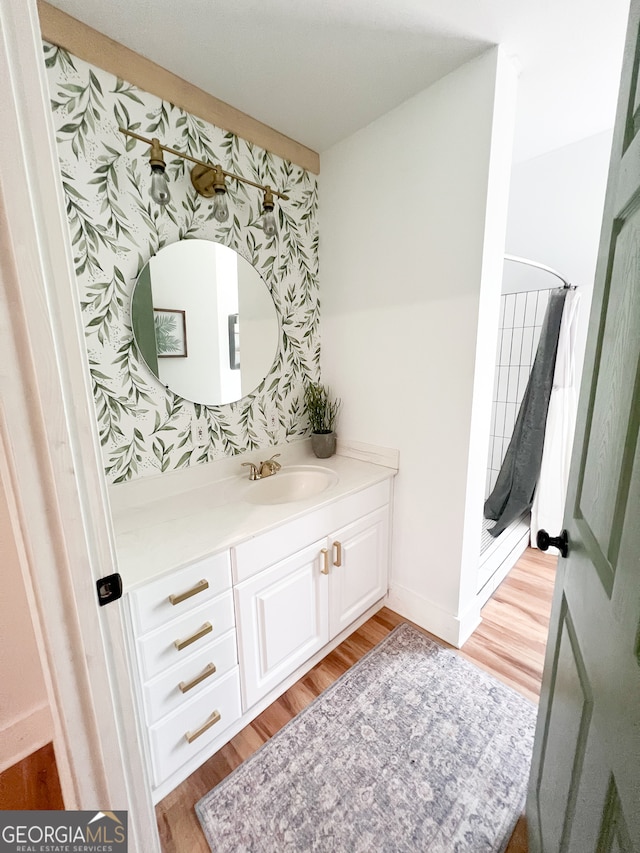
x=86 y=43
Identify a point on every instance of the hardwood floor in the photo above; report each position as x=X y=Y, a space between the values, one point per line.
x=512 y=638
x=510 y=643
x=32 y=784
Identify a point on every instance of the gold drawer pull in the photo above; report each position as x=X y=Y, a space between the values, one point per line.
x=199 y=587
x=213 y=719
x=207 y=628
x=209 y=669
x=324 y=569
x=337 y=560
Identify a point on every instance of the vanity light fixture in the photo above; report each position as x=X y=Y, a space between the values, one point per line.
x=220 y=205
x=159 y=191
x=208 y=179
x=268 y=217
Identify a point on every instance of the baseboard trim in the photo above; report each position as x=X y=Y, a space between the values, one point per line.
x=24 y=736
x=467 y=623
x=454 y=630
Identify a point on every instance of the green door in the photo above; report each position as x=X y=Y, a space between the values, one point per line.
x=585 y=784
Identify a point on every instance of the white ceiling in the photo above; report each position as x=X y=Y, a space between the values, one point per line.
x=317 y=70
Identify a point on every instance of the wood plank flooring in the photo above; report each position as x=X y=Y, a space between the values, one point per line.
x=512 y=638
x=510 y=644
x=32 y=783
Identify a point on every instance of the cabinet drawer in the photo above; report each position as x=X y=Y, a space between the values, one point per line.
x=206 y=667
x=170 y=748
x=189 y=587
x=158 y=651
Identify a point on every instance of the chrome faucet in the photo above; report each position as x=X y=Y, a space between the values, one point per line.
x=263 y=469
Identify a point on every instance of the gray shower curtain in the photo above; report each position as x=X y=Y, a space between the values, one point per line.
x=514 y=489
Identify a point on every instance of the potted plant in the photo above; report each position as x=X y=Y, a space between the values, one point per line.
x=322 y=411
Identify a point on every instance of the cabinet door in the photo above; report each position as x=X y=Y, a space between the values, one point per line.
x=282 y=620
x=359 y=568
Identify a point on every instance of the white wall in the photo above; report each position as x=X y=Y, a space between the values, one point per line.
x=555 y=215
x=402 y=224
x=25 y=715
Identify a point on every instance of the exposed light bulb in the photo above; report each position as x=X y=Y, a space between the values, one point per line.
x=268 y=217
x=269 y=222
x=220 y=207
x=159 y=191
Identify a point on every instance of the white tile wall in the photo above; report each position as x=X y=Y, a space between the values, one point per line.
x=521 y=318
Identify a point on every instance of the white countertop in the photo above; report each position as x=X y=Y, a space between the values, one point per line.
x=170 y=520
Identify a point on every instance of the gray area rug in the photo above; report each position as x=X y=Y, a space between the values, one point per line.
x=412 y=749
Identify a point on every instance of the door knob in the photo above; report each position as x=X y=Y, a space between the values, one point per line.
x=543 y=541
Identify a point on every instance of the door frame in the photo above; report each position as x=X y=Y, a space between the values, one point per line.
x=49 y=429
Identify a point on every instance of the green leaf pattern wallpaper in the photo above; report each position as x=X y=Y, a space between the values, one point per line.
x=115 y=228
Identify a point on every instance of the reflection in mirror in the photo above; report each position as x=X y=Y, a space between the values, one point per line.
x=204 y=322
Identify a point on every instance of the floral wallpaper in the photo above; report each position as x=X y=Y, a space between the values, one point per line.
x=115 y=228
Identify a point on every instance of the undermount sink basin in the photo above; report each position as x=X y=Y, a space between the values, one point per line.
x=290 y=484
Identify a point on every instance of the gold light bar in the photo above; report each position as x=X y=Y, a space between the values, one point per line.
x=205 y=173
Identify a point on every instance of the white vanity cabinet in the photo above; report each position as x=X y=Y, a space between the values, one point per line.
x=296 y=599
x=213 y=642
x=184 y=650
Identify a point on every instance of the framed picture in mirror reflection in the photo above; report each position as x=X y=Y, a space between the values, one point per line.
x=170 y=326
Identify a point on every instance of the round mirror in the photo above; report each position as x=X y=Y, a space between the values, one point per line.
x=204 y=322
